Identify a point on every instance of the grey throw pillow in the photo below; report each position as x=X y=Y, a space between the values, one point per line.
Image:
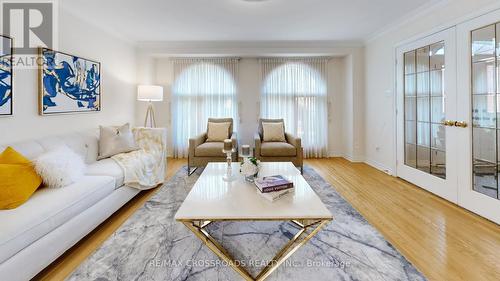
x=114 y=140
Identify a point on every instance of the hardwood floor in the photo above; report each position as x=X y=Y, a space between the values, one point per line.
x=444 y=241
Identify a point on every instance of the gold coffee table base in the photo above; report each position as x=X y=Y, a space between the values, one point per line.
x=301 y=238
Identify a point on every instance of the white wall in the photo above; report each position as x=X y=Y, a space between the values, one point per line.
x=353 y=109
x=249 y=98
x=380 y=147
x=118 y=66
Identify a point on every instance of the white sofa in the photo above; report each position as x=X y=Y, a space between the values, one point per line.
x=53 y=220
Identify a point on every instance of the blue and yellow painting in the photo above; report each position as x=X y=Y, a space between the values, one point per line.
x=5 y=76
x=70 y=84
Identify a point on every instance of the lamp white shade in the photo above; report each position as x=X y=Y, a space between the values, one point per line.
x=149 y=93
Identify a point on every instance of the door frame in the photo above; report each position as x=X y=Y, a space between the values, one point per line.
x=445 y=188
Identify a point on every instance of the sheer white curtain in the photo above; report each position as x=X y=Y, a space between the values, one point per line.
x=202 y=88
x=295 y=89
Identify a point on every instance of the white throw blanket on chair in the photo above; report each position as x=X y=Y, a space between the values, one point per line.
x=145 y=168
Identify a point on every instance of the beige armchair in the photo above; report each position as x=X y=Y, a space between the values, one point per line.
x=289 y=151
x=202 y=152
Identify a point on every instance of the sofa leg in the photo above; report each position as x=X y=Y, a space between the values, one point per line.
x=190 y=172
x=301 y=170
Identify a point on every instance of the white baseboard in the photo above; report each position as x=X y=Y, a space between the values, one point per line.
x=334 y=154
x=380 y=166
x=355 y=159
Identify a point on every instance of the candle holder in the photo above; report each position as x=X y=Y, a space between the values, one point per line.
x=229 y=177
x=245 y=151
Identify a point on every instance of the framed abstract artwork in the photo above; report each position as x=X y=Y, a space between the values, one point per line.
x=68 y=84
x=6 y=74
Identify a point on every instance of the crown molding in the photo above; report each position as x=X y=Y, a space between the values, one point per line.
x=426 y=10
x=248 y=48
x=116 y=34
x=407 y=18
x=452 y=23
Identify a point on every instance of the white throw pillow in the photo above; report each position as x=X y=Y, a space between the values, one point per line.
x=59 y=167
x=218 y=132
x=114 y=140
x=273 y=132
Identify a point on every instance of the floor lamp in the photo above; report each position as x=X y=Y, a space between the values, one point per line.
x=150 y=93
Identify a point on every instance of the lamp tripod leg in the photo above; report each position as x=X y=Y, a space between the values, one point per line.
x=150 y=117
x=146 y=118
x=153 y=120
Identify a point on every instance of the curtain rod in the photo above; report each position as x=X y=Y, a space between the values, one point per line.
x=296 y=58
x=249 y=57
x=203 y=58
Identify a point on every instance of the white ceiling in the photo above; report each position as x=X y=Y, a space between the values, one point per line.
x=240 y=20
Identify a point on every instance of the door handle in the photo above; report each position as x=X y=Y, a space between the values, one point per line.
x=449 y=123
x=461 y=124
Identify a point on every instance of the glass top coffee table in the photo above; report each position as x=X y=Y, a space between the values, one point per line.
x=212 y=199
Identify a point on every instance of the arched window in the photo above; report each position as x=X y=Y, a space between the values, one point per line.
x=202 y=89
x=296 y=90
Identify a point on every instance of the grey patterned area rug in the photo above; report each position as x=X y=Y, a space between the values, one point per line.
x=151 y=245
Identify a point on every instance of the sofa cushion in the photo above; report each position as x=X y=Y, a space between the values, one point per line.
x=29 y=149
x=209 y=149
x=46 y=210
x=83 y=143
x=107 y=167
x=277 y=149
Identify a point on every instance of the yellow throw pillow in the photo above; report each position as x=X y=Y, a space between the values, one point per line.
x=11 y=156
x=19 y=179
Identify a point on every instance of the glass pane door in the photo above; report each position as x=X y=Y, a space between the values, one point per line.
x=478 y=103
x=426 y=104
x=485 y=98
x=424 y=109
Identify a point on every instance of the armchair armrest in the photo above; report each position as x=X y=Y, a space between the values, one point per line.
x=196 y=141
x=258 y=142
x=295 y=141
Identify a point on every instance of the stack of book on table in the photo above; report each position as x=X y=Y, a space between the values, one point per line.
x=274 y=187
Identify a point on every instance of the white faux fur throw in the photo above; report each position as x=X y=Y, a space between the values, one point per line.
x=59 y=167
x=145 y=168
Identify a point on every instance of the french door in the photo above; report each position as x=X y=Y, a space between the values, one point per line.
x=448 y=121
x=426 y=102
x=478 y=52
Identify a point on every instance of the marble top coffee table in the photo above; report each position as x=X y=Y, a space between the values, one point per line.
x=212 y=199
